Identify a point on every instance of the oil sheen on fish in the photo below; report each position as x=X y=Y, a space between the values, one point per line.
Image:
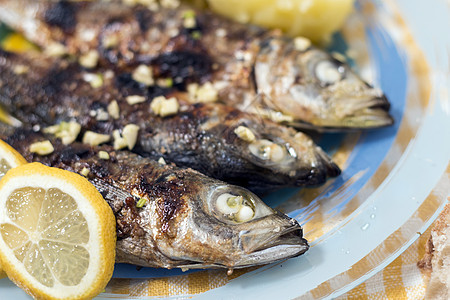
x=250 y=68
x=174 y=218
x=214 y=139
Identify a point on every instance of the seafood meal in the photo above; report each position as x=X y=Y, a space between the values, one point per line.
x=181 y=119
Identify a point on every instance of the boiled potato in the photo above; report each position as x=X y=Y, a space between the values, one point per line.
x=315 y=19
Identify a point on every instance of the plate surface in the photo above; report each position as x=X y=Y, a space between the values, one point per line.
x=394 y=182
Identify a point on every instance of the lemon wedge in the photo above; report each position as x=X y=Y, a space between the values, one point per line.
x=57 y=233
x=9 y=158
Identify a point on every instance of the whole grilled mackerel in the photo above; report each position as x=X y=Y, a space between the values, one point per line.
x=251 y=68
x=170 y=217
x=214 y=139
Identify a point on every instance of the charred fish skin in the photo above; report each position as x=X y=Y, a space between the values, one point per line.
x=309 y=87
x=186 y=219
x=217 y=140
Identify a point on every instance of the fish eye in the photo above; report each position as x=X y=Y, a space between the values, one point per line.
x=233 y=207
x=267 y=150
x=328 y=72
x=236 y=208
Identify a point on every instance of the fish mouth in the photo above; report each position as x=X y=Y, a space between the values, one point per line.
x=372 y=113
x=362 y=113
x=263 y=246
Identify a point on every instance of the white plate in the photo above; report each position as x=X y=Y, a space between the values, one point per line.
x=394 y=182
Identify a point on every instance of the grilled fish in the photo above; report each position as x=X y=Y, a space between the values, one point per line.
x=214 y=139
x=250 y=68
x=170 y=217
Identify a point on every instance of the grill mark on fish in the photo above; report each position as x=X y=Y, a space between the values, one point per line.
x=175 y=228
x=201 y=136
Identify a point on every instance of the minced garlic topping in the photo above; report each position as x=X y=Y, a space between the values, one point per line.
x=135 y=99
x=95 y=80
x=143 y=74
x=164 y=107
x=161 y=161
x=66 y=131
x=20 y=69
x=42 y=148
x=204 y=93
x=244 y=133
x=302 y=43
x=95 y=139
x=85 y=172
x=113 y=109
x=128 y=137
x=55 y=50
x=103 y=155
x=119 y=141
x=130 y=134
x=89 y=60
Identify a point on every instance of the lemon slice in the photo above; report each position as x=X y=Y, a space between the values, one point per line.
x=9 y=158
x=57 y=234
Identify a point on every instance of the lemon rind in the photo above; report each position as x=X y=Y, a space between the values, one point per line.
x=95 y=210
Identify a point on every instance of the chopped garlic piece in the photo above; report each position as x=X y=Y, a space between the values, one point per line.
x=95 y=80
x=302 y=43
x=189 y=19
x=110 y=41
x=55 y=50
x=101 y=115
x=165 y=82
x=192 y=89
x=135 y=99
x=119 y=141
x=113 y=109
x=20 y=69
x=130 y=134
x=95 y=139
x=164 y=107
x=161 y=161
x=143 y=74
x=189 y=23
x=66 y=131
x=42 y=148
x=89 y=60
x=207 y=93
x=244 y=133
x=103 y=155
x=85 y=172
x=204 y=93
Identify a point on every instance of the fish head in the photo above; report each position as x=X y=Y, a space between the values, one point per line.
x=316 y=89
x=231 y=227
x=287 y=156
